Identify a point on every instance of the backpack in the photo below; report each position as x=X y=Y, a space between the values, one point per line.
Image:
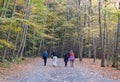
x=45 y=54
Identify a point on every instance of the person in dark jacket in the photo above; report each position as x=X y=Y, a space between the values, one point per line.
x=44 y=56
x=54 y=58
x=66 y=58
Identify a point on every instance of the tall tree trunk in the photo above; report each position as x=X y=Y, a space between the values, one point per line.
x=4 y=6
x=24 y=40
x=118 y=40
x=100 y=36
x=115 y=57
x=16 y=41
x=85 y=14
x=63 y=45
x=94 y=48
x=25 y=28
x=18 y=52
x=79 y=28
x=14 y=6
x=94 y=39
x=40 y=46
x=109 y=42
x=53 y=41
x=114 y=48
x=64 y=34
x=9 y=31
x=5 y=50
x=89 y=25
x=104 y=37
x=8 y=1
x=18 y=33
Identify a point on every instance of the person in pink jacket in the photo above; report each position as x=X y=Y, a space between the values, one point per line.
x=71 y=58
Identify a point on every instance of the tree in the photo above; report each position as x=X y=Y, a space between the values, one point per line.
x=101 y=44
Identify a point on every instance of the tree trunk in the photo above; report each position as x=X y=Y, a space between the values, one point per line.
x=5 y=50
x=100 y=36
x=27 y=13
x=4 y=6
x=85 y=14
x=8 y=1
x=64 y=34
x=3 y=14
x=114 y=48
x=16 y=41
x=14 y=6
x=26 y=27
x=79 y=28
x=118 y=40
x=104 y=38
x=94 y=48
x=89 y=25
x=63 y=45
x=39 y=49
x=24 y=40
x=9 y=32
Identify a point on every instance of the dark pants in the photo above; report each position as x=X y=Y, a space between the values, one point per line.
x=66 y=61
x=45 y=60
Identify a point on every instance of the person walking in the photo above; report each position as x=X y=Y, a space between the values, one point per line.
x=66 y=58
x=54 y=58
x=44 y=56
x=71 y=58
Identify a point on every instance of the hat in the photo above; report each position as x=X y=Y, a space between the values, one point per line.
x=71 y=50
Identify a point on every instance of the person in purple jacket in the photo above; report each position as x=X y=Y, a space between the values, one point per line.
x=71 y=58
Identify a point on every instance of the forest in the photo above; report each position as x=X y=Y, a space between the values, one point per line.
x=91 y=28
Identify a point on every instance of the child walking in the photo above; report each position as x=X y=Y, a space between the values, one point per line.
x=66 y=58
x=72 y=58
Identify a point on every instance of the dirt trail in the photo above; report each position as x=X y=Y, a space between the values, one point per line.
x=36 y=72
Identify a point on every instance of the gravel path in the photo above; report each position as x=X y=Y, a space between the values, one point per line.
x=40 y=73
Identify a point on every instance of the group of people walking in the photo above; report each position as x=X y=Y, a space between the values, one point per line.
x=67 y=57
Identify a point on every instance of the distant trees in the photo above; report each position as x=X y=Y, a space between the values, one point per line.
x=17 y=23
x=27 y=27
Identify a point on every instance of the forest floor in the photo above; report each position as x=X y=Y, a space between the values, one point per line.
x=32 y=70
